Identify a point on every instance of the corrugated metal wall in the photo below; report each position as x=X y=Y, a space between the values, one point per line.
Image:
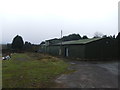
x=100 y=49
x=74 y=51
x=104 y=48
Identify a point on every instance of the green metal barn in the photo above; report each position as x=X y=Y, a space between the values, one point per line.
x=95 y=48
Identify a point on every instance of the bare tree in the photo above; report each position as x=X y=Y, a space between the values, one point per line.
x=98 y=34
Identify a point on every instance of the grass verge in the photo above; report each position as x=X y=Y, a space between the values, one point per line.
x=31 y=70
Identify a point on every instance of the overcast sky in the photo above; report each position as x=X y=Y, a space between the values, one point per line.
x=38 y=20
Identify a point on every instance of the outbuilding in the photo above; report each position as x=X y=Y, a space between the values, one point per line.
x=94 y=48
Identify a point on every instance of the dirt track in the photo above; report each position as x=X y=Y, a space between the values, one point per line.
x=90 y=75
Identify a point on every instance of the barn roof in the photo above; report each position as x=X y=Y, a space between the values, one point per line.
x=82 y=41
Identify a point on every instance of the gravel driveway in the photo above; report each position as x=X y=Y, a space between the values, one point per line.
x=90 y=75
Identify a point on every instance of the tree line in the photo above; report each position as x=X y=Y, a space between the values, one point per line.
x=18 y=44
x=71 y=37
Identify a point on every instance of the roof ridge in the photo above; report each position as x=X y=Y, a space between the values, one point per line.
x=81 y=41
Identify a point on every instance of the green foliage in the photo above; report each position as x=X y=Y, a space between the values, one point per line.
x=84 y=37
x=17 y=43
x=53 y=41
x=71 y=37
x=28 y=46
x=30 y=70
x=42 y=42
x=104 y=36
x=118 y=36
x=110 y=36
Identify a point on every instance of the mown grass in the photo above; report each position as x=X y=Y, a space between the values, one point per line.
x=31 y=70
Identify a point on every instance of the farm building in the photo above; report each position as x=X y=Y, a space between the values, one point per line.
x=95 y=48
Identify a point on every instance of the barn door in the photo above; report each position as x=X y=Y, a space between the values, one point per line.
x=66 y=52
x=60 y=52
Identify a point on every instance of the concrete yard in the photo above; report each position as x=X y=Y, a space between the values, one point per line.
x=90 y=74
